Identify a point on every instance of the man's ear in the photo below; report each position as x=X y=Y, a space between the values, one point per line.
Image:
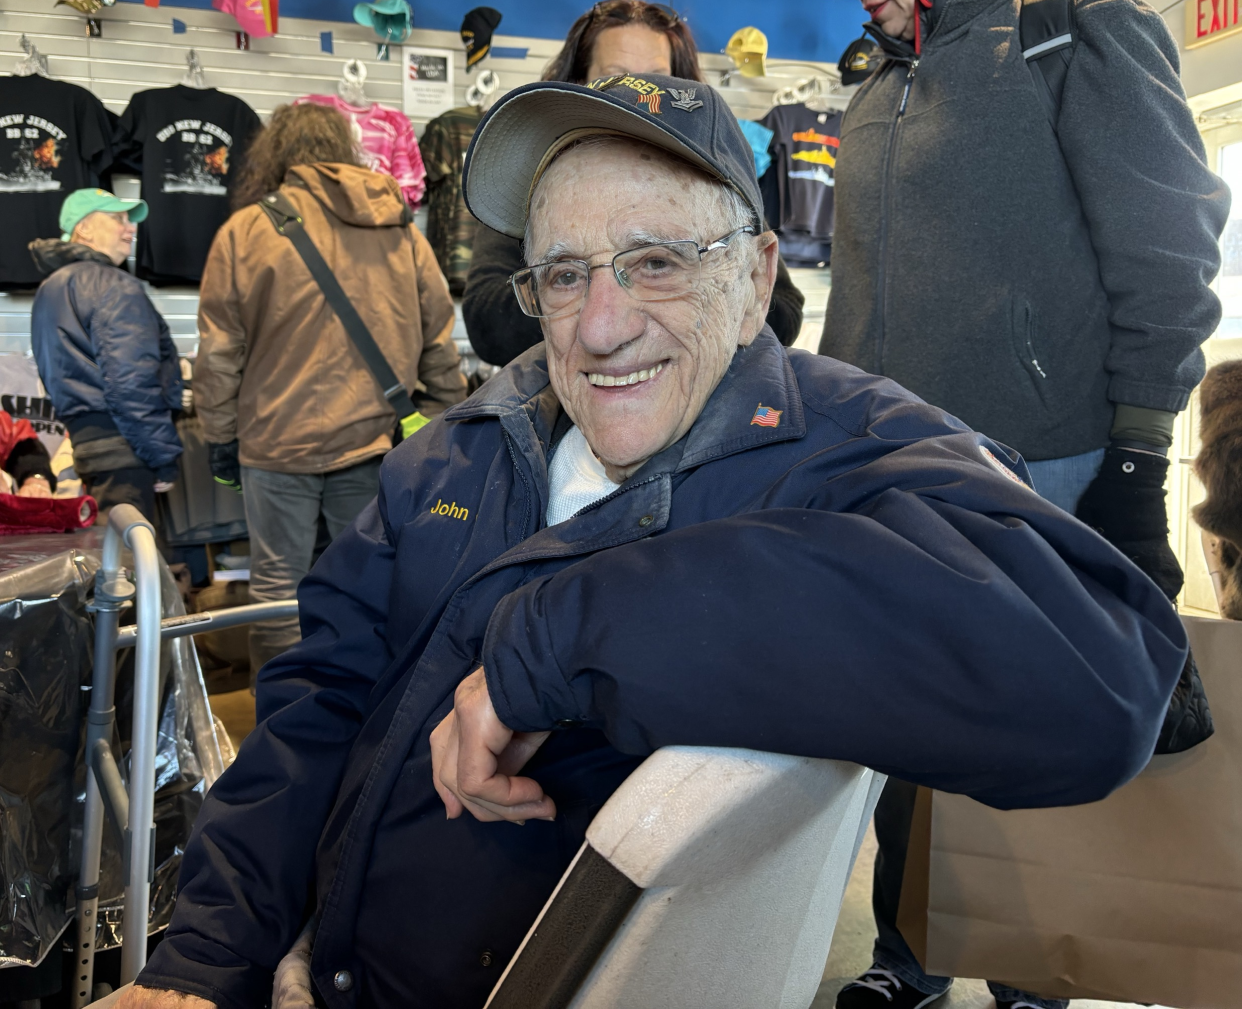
x=762 y=278
x=83 y=231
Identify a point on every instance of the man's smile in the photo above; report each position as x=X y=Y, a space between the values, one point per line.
x=598 y=378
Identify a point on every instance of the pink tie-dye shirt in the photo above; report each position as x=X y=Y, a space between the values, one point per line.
x=387 y=142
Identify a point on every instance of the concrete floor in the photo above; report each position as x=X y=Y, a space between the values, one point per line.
x=851 y=944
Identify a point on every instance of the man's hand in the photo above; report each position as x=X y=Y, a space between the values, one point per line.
x=474 y=757
x=35 y=486
x=160 y=998
x=224 y=464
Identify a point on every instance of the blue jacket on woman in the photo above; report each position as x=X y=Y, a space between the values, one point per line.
x=104 y=353
x=868 y=580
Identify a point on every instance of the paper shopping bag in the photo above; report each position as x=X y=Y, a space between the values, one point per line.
x=1134 y=898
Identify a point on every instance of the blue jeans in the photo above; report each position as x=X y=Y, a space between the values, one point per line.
x=283 y=512
x=1061 y=481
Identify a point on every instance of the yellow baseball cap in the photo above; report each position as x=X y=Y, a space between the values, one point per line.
x=748 y=48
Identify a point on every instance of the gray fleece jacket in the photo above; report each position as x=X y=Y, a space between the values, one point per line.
x=1026 y=279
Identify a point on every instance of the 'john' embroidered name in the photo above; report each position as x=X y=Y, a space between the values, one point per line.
x=451 y=510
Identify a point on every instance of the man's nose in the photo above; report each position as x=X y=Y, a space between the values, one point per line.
x=609 y=318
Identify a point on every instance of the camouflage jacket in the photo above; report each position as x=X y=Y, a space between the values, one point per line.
x=450 y=226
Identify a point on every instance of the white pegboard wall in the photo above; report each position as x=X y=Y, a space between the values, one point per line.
x=138 y=50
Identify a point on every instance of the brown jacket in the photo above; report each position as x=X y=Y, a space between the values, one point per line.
x=276 y=369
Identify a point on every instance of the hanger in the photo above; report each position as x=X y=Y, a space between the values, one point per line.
x=194 y=72
x=819 y=94
x=33 y=63
x=353 y=81
x=480 y=93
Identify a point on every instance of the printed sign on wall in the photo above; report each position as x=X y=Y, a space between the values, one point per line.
x=427 y=81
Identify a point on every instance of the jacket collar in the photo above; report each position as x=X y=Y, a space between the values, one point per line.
x=949 y=15
x=758 y=376
x=50 y=254
x=944 y=16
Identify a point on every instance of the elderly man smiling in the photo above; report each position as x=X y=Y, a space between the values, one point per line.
x=667 y=530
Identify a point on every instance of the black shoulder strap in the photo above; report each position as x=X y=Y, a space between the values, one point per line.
x=285 y=216
x=1048 y=36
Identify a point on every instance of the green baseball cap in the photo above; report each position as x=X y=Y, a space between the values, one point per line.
x=390 y=19
x=83 y=202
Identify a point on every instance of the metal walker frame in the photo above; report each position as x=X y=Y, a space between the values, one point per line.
x=130 y=810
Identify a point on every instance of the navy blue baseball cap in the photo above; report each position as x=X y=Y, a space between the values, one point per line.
x=526 y=128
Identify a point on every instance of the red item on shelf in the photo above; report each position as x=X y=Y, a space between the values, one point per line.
x=20 y=515
x=11 y=432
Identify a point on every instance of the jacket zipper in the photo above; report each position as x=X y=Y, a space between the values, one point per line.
x=886 y=196
x=1030 y=349
x=526 y=488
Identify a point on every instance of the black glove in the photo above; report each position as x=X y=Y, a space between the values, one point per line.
x=224 y=465
x=1125 y=505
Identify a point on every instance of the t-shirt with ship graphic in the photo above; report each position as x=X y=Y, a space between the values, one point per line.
x=185 y=142
x=54 y=138
x=800 y=186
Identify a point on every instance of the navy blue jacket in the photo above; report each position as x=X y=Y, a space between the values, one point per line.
x=103 y=350
x=868 y=580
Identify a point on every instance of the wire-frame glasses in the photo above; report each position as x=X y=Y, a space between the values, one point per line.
x=663 y=271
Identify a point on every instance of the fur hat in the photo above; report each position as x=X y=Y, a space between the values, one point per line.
x=1219 y=466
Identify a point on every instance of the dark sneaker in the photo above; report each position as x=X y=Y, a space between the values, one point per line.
x=882 y=989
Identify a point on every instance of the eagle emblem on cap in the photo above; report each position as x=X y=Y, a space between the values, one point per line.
x=684 y=100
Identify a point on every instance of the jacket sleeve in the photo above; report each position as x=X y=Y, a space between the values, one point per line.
x=785 y=309
x=222 y=346
x=498 y=330
x=920 y=615
x=439 y=365
x=241 y=897
x=127 y=338
x=1154 y=210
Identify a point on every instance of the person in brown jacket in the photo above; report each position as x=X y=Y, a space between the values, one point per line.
x=294 y=418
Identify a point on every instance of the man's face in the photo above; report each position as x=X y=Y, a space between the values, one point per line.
x=895 y=17
x=109 y=232
x=592 y=203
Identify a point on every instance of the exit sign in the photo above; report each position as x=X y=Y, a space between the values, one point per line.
x=1209 y=20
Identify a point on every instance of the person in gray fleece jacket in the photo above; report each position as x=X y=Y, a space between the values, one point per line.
x=1041 y=274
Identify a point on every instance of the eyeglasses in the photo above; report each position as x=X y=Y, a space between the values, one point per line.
x=664 y=9
x=662 y=271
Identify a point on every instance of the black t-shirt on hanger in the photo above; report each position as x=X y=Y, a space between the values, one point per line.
x=186 y=143
x=799 y=187
x=54 y=138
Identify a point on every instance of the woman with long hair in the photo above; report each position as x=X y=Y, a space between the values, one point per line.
x=295 y=136
x=291 y=412
x=639 y=38
x=613 y=37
